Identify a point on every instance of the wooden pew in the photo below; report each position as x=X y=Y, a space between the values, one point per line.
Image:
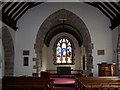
x=85 y=83
x=26 y=83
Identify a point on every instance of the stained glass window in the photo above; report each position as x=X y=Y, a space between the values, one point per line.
x=63 y=51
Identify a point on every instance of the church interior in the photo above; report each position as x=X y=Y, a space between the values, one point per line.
x=59 y=45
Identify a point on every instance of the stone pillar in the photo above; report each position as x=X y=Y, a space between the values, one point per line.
x=8 y=52
x=38 y=47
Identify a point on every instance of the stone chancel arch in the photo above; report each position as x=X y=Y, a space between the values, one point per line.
x=50 y=22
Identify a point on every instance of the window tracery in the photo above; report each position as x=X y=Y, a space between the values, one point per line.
x=63 y=51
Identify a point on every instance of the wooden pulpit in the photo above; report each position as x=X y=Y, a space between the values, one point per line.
x=105 y=69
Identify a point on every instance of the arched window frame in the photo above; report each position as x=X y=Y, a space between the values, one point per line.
x=55 y=52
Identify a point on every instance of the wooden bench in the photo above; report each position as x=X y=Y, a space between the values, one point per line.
x=85 y=83
x=26 y=83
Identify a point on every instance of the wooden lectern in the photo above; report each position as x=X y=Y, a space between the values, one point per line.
x=105 y=69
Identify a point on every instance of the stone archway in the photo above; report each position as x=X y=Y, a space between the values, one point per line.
x=8 y=52
x=51 y=21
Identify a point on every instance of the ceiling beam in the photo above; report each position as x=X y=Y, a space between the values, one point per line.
x=30 y=5
x=35 y=4
x=103 y=11
x=8 y=21
x=11 y=15
x=5 y=18
x=5 y=6
x=92 y=4
x=115 y=23
x=109 y=6
x=111 y=10
x=107 y=9
x=12 y=7
x=15 y=9
x=12 y=11
x=21 y=13
x=21 y=9
x=115 y=5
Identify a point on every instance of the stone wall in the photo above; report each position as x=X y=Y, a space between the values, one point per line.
x=50 y=22
x=8 y=52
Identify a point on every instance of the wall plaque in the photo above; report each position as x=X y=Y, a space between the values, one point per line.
x=100 y=52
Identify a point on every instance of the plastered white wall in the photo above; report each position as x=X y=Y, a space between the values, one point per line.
x=115 y=33
x=29 y=24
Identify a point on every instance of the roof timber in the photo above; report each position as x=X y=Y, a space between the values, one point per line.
x=13 y=11
x=110 y=10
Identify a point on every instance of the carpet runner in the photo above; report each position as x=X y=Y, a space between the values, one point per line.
x=64 y=83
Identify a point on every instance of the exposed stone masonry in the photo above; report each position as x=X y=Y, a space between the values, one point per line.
x=8 y=52
x=50 y=22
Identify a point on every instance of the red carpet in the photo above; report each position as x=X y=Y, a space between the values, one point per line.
x=64 y=83
x=64 y=80
x=68 y=84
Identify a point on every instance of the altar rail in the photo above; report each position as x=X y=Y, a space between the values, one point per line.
x=73 y=74
x=72 y=71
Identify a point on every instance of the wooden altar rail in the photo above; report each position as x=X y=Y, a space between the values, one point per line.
x=87 y=83
x=72 y=71
x=73 y=74
x=26 y=83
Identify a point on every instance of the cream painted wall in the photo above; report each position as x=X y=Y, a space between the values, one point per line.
x=115 y=34
x=30 y=22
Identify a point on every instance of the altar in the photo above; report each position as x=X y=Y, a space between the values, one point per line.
x=64 y=72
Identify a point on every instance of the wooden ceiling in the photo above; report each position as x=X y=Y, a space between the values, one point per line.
x=12 y=11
